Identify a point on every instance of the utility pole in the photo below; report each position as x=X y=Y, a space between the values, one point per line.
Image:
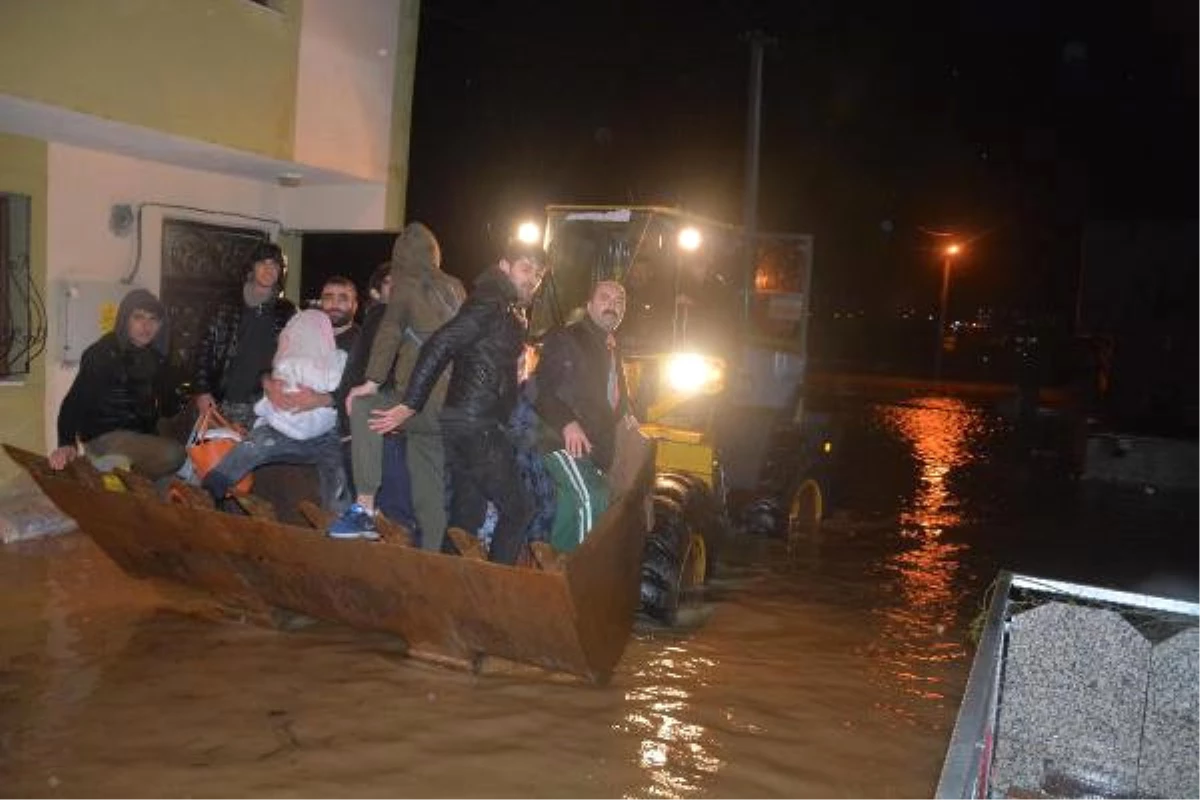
x=948 y=255
x=758 y=41
x=941 y=323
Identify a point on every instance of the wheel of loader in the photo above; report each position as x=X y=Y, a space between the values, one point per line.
x=704 y=511
x=689 y=585
x=806 y=510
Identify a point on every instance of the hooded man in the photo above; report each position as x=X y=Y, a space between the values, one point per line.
x=422 y=299
x=239 y=342
x=484 y=342
x=114 y=403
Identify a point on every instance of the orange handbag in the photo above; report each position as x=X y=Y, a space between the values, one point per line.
x=211 y=440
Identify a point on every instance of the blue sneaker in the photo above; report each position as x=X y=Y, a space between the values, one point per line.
x=355 y=522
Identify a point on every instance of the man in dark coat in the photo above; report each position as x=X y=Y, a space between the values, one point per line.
x=484 y=342
x=239 y=341
x=114 y=403
x=581 y=390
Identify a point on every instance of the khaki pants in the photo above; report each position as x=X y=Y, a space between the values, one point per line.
x=153 y=456
x=425 y=460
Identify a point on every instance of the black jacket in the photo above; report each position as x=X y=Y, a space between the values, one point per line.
x=119 y=386
x=484 y=342
x=356 y=363
x=220 y=343
x=572 y=386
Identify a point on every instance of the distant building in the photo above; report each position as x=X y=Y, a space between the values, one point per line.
x=1137 y=302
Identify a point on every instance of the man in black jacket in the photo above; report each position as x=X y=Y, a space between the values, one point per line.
x=581 y=390
x=484 y=341
x=114 y=403
x=240 y=340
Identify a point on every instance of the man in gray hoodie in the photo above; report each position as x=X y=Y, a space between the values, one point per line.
x=423 y=298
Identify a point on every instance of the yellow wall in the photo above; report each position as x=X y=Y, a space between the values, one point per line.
x=22 y=413
x=221 y=71
x=402 y=99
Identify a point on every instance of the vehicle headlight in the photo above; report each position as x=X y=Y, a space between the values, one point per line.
x=691 y=373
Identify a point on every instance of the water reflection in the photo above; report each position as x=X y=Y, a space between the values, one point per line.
x=943 y=433
x=675 y=753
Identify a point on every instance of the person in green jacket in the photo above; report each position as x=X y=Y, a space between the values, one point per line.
x=423 y=298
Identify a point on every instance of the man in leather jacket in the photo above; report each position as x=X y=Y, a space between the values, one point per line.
x=240 y=340
x=484 y=342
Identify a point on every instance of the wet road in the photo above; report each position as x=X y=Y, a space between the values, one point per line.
x=831 y=666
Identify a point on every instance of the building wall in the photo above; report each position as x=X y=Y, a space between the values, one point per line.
x=344 y=87
x=82 y=187
x=402 y=101
x=22 y=401
x=335 y=208
x=221 y=71
x=324 y=83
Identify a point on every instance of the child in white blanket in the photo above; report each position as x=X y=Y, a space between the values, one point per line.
x=306 y=356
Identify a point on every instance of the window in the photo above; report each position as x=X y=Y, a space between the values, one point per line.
x=22 y=309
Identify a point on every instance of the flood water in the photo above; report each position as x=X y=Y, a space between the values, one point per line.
x=830 y=666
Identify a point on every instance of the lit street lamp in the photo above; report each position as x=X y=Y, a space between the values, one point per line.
x=948 y=255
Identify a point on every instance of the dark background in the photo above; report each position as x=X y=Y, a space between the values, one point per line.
x=887 y=128
x=1008 y=123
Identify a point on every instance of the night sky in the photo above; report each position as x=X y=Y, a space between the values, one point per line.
x=1009 y=124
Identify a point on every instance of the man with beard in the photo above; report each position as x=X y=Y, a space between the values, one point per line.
x=581 y=395
x=113 y=405
x=339 y=301
x=484 y=342
x=328 y=452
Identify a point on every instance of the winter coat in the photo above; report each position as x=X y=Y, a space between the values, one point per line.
x=356 y=364
x=423 y=299
x=484 y=342
x=572 y=386
x=219 y=346
x=119 y=386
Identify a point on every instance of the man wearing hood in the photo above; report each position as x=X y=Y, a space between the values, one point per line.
x=114 y=403
x=484 y=342
x=240 y=340
x=422 y=299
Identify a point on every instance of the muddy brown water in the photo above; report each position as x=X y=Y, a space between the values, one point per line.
x=830 y=666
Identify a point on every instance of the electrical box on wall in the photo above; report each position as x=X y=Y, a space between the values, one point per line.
x=88 y=311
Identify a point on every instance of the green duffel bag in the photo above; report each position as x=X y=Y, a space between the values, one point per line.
x=582 y=497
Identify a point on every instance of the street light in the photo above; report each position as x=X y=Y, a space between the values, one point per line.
x=948 y=255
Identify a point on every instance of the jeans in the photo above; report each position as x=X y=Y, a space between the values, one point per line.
x=394 y=498
x=482 y=464
x=265 y=445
